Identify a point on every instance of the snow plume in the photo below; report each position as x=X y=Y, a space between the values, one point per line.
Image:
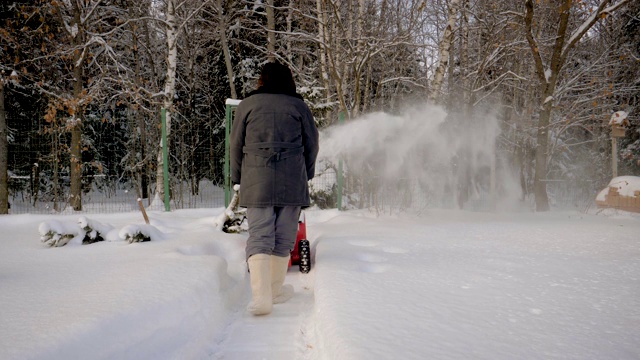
x=421 y=157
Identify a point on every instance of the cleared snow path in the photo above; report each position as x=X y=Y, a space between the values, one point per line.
x=251 y=337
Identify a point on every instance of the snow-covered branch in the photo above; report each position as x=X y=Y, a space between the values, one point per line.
x=88 y=14
x=601 y=11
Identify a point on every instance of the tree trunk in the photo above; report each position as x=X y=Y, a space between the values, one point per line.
x=359 y=65
x=271 y=32
x=169 y=91
x=539 y=182
x=322 y=50
x=289 y=54
x=139 y=164
x=222 y=32
x=4 y=156
x=335 y=53
x=445 y=47
x=549 y=76
x=75 y=166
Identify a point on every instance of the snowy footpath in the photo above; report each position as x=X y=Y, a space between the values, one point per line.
x=251 y=337
x=439 y=285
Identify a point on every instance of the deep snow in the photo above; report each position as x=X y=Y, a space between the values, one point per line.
x=442 y=285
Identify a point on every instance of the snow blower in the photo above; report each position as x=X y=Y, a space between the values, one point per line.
x=301 y=253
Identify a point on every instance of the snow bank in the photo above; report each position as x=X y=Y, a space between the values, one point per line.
x=622 y=192
x=445 y=285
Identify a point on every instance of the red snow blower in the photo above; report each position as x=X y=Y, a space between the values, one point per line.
x=301 y=253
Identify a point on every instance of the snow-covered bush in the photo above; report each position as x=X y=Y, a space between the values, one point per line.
x=237 y=223
x=323 y=187
x=140 y=233
x=57 y=233
x=133 y=234
x=88 y=231
x=94 y=230
x=231 y=220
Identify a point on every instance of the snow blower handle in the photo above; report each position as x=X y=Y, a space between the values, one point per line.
x=233 y=205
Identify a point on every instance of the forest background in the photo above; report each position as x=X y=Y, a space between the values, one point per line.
x=83 y=82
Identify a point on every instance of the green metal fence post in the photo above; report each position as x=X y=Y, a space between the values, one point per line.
x=230 y=106
x=339 y=176
x=165 y=161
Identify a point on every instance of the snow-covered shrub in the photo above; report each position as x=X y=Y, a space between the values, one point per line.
x=231 y=220
x=324 y=197
x=140 y=233
x=236 y=224
x=323 y=187
x=56 y=233
x=94 y=230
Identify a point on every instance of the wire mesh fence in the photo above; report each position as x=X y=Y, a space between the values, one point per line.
x=118 y=169
x=573 y=194
x=112 y=194
x=118 y=164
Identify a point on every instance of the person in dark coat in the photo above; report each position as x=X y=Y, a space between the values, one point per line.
x=274 y=145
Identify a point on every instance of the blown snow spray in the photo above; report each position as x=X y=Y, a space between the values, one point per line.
x=422 y=157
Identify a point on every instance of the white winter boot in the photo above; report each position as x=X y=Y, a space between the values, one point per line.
x=260 y=275
x=279 y=267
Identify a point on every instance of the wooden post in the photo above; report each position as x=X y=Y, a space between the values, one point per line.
x=614 y=156
x=618 y=122
x=144 y=213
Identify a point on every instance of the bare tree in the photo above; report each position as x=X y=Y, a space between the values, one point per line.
x=549 y=72
x=172 y=27
x=80 y=52
x=224 y=43
x=445 y=46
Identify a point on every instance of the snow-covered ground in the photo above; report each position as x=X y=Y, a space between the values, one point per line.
x=442 y=285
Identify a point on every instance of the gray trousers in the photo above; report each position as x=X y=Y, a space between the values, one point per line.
x=272 y=230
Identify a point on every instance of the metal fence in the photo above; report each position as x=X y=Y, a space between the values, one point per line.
x=39 y=182
x=577 y=195
x=118 y=167
x=112 y=195
x=109 y=195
